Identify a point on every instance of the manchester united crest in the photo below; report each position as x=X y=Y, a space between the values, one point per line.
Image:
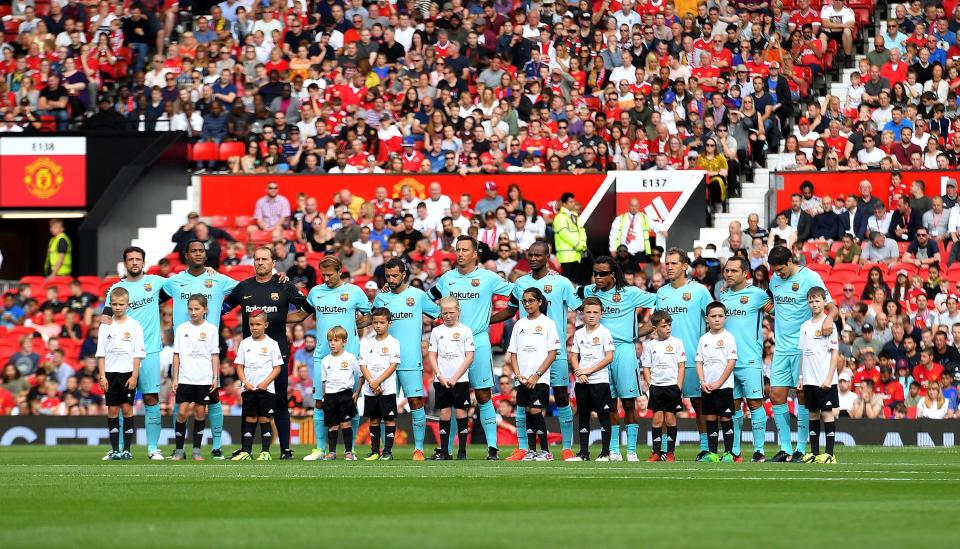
x=263 y=350
x=148 y=287
x=203 y=336
x=385 y=350
x=669 y=348
x=411 y=302
x=344 y=297
x=596 y=340
x=687 y=296
x=616 y=298
x=538 y=329
x=208 y=283
x=475 y=282
x=344 y=365
x=43 y=178
x=817 y=334
x=744 y=299
x=126 y=336
x=275 y=296
x=796 y=286
x=719 y=343
x=456 y=335
x=547 y=289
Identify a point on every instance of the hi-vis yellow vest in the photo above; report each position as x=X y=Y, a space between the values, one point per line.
x=570 y=239
x=53 y=256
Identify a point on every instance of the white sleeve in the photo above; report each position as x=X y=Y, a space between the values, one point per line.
x=395 y=352
x=177 y=340
x=608 y=343
x=432 y=345
x=681 y=352
x=468 y=345
x=553 y=338
x=277 y=358
x=614 y=229
x=213 y=343
x=699 y=355
x=574 y=346
x=645 y=358
x=240 y=354
x=514 y=336
x=140 y=350
x=101 y=342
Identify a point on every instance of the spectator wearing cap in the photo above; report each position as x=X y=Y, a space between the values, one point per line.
x=490 y=201
x=866 y=341
x=879 y=249
x=847 y=397
x=950 y=197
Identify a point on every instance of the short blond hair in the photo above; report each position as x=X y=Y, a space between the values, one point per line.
x=337 y=332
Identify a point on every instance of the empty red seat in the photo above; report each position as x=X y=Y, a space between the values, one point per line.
x=231 y=148
x=204 y=152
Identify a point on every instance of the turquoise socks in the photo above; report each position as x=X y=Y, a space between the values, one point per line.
x=488 y=419
x=737 y=427
x=319 y=429
x=803 y=428
x=215 y=416
x=781 y=418
x=758 y=423
x=521 y=428
x=153 y=427
x=632 y=430
x=419 y=427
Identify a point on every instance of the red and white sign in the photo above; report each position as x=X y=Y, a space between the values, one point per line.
x=662 y=194
x=43 y=172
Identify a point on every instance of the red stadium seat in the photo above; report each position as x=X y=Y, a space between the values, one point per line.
x=240 y=235
x=242 y=221
x=239 y=272
x=218 y=221
x=231 y=148
x=204 y=152
x=5 y=9
x=909 y=267
x=32 y=280
x=261 y=237
x=846 y=267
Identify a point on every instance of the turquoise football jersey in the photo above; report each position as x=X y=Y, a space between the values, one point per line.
x=474 y=291
x=144 y=307
x=790 y=308
x=560 y=295
x=214 y=287
x=337 y=307
x=407 y=309
x=687 y=306
x=620 y=309
x=745 y=322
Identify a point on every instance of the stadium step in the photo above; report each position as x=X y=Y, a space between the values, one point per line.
x=155 y=240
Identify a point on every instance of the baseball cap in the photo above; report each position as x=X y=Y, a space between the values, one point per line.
x=490 y=185
x=954 y=297
x=804 y=120
x=846 y=375
x=774 y=65
x=669 y=97
x=903 y=272
x=951 y=182
x=867 y=327
x=740 y=68
x=371 y=285
x=408 y=142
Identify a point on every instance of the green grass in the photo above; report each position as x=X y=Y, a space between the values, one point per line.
x=876 y=497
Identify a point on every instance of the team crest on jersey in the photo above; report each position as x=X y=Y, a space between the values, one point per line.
x=208 y=284
x=687 y=296
x=456 y=336
x=385 y=350
x=263 y=350
x=148 y=287
x=475 y=282
x=616 y=298
x=596 y=340
x=719 y=343
x=796 y=286
x=275 y=296
x=669 y=348
x=344 y=365
x=817 y=334
x=344 y=297
x=203 y=336
x=538 y=329
x=126 y=336
x=547 y=289
x=411 y=302
x=744 y=299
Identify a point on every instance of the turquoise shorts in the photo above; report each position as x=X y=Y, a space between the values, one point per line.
x=481 y=370
x=624 y=372
x=560 y=372
x=691 y=383
x=148 y=382
x=785 y=370
x=411 y=381
x=748 y=383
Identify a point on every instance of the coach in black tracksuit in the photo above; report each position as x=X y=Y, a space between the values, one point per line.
x=264 y=292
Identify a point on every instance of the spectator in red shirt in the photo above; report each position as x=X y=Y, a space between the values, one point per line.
x=927 y=370
x=868 y=370
x=891 y=388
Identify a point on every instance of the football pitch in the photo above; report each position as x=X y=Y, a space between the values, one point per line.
x=875 y=497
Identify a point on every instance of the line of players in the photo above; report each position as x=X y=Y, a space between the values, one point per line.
x=338 y=304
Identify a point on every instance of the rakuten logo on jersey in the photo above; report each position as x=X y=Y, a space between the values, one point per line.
x=268 y=309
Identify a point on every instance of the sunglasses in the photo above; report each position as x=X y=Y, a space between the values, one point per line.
x=601 y=274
